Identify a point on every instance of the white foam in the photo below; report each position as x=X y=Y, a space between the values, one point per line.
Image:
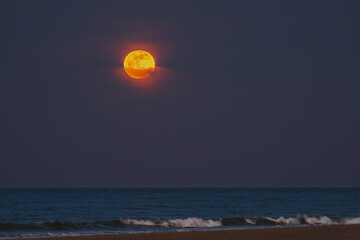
x=139 y=222
x=188 y=222
x=198 y=222
x=286 y=221
x=324 y=220
x=194 y=222
x=352 y=220
x=250 y=221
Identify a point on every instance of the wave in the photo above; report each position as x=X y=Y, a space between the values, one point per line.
x=188 y=222
x=291 y=221
x=178 y=223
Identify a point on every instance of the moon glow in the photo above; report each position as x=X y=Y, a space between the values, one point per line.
x=139 y=64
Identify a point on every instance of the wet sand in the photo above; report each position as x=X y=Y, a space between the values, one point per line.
x=348 y=232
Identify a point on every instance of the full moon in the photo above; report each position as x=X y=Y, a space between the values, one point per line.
x=139 y=64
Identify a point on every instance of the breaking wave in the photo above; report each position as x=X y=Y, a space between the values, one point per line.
x=188 y=222
x=179 y=223
x=292 y=221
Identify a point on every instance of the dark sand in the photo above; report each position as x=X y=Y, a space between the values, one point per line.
x=348 y=232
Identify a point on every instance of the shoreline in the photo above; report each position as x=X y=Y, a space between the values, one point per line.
x=333 y=232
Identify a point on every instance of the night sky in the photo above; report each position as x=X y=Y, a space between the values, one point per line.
x=245 y=94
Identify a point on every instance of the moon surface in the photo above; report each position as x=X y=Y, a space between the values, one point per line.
x=139 y=64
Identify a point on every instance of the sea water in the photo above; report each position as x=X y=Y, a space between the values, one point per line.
x=63 y=212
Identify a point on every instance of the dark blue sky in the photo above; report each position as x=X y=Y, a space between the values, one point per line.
x=247 y=93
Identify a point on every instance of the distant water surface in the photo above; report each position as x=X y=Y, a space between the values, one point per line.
x=59 y=212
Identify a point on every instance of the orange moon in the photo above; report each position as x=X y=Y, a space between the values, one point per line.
x=139 y=64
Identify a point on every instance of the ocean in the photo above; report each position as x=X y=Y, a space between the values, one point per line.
x=81 y=211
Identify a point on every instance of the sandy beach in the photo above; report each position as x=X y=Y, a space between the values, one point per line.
x=344 y=232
